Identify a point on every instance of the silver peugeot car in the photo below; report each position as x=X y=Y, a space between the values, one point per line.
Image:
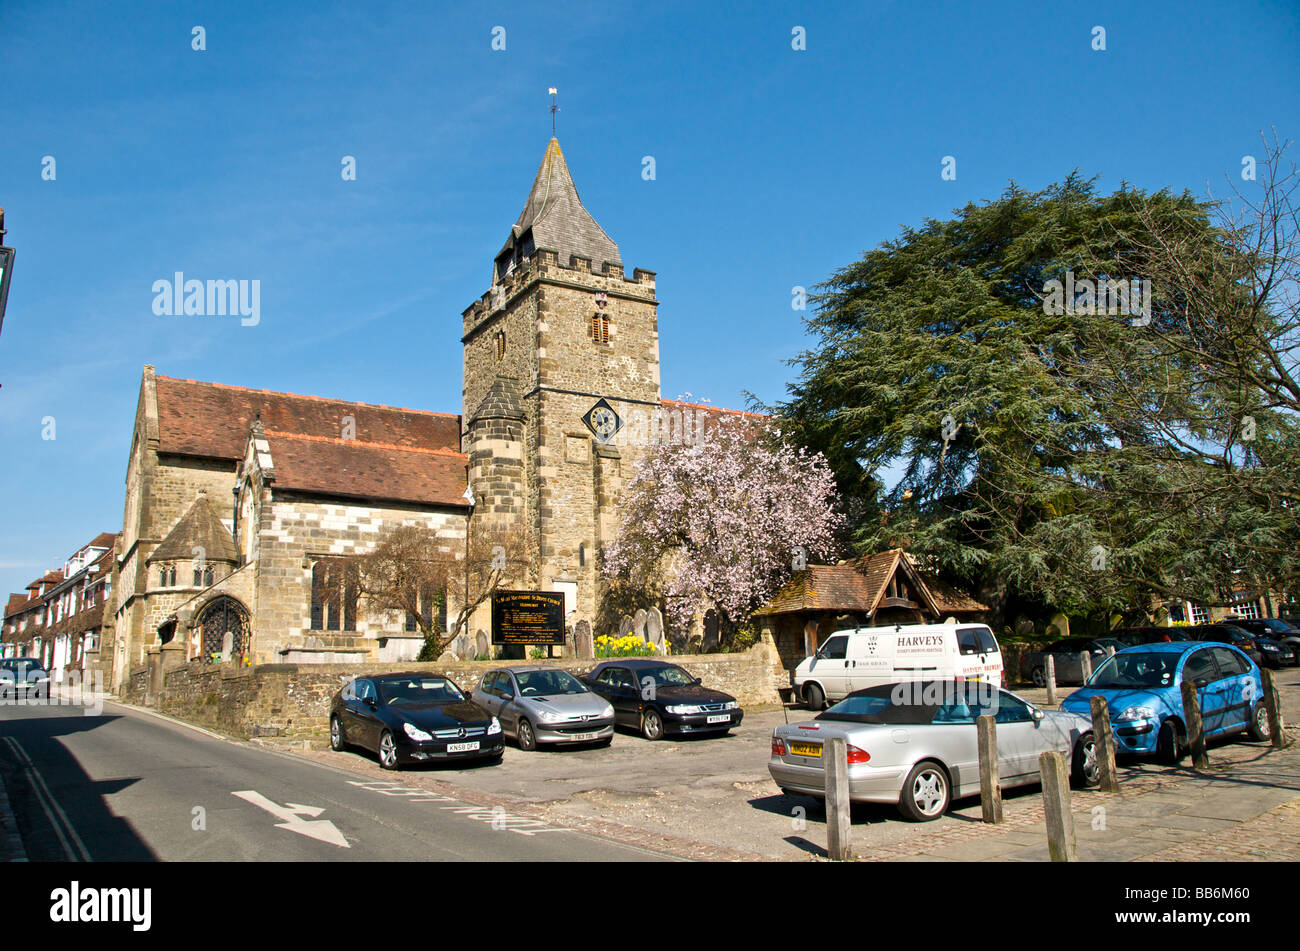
x=915 y=744
x=545 y=705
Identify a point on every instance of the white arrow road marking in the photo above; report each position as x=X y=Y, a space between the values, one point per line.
x=293 y=815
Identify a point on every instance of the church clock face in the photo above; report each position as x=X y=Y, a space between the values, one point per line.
x=602 y=421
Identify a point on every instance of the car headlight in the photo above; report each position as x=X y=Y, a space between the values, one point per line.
x=1271 y=648
x=415 y=733
x=550 y=716
x=683 y=708
x=494 y=726
x=1136 y=713
x=731 y=705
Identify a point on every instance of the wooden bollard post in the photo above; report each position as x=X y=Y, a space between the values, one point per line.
x=1051 y=680
x=1056 y=807
x=1085 y=664
x=1105 y=745
x=839 y=818
x=990 y=785
x=1276 y=726
x=1195 y=730
x=1109 y=650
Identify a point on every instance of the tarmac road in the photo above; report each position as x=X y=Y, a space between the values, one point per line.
x=127 y=785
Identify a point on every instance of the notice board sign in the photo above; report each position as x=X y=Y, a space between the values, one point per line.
x=528 y=618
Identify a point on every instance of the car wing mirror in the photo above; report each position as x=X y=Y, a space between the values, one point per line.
x=1037 y=714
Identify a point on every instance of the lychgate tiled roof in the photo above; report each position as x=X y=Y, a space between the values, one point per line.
x=557 y=218
x=212 y=419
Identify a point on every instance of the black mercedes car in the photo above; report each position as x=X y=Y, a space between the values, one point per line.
x=413 y=718
x=658 y=698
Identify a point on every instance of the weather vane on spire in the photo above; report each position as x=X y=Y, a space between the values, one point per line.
x=554 y=110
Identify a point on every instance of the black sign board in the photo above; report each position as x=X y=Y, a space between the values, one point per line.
x=528 y=617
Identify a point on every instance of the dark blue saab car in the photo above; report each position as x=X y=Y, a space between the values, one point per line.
x=1142 y=687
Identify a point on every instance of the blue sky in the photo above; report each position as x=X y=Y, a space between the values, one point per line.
x=773 y=167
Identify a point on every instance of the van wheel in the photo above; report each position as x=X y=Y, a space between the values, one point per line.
x=813 y=697
x=926 y=794
x=1259 y=729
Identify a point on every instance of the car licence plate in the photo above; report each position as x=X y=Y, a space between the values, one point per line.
x=806 y=749
x=462 y=747
x=720 y=718
x=583 y=736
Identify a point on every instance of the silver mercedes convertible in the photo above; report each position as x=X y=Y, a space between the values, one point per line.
x=915 y=744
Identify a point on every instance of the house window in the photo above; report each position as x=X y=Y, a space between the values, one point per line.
x=1244 y=606
x=1200 y=614
x=600 y=328
x=333 y=595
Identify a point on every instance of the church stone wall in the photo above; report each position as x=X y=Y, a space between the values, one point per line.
x=296 y=532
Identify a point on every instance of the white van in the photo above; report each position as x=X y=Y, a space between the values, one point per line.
x=869 y=656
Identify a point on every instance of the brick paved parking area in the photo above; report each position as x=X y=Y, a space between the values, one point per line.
x=713 y=798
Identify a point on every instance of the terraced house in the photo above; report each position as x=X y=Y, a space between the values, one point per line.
x=239 y=502
x=61 y=619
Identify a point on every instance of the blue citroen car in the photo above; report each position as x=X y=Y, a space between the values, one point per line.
x=1142 y=687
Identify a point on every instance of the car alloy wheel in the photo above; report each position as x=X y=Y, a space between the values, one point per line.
x=925 y=793
x=387 y=751
x=1259 y=728
x=652 y=727
x=1087 y=766
x=1039 y=677
x=337 y=743
x=524 y=733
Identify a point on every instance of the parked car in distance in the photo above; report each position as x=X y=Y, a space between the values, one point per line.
x=1142 y=687
x=915 y=744
x=412 y=718
x=1133 y=636
x=544 y=705
x=1271 y=631
x=658 y=698
x=23 y=675
x=848 y=661
x=1067 y=664
x=1228 y=634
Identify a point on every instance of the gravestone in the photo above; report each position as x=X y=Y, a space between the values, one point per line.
x=638 y=623
x=463 y=646
x=654 y=628
x=582 y=640
x=624 y=626
x=709 y=642
x=481 y=642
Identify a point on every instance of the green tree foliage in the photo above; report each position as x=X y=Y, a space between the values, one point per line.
x=1087 y=461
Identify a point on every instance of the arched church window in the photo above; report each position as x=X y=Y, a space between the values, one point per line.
x=501 y=345
x=333 y=595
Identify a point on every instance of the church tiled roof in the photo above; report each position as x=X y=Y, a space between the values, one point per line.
x=557 y=218
x=212 y=419
x=355 y=468
x=198 y=528
x=501 y=401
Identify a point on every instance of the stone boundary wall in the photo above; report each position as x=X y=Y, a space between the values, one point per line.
x=292 y=700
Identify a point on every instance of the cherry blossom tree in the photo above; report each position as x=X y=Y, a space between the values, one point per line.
x=722 y=520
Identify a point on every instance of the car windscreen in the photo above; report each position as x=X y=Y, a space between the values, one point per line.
x=1136 y=670
x=418 y=691
x=22 y=667
x=668 y=675
x=548 y=683
x=915 y=703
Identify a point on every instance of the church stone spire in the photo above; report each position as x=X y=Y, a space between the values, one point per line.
x=554 y=219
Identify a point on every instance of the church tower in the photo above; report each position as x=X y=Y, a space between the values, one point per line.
x=560 y=354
